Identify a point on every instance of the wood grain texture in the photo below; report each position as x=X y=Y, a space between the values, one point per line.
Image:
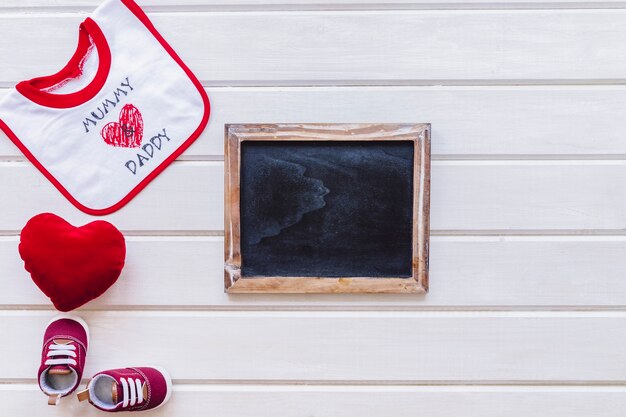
x=339 y=47
x=180 y=200
x=351 y=346
x=467 y=122
x=542 y=83
x=344 y=401
x=417 y=134
x=467 y=196
x=471 y=272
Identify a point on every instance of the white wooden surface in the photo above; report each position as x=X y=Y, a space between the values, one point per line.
x=527 y=309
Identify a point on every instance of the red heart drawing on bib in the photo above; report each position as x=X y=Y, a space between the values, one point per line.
x=128 y=133
x=71 y=265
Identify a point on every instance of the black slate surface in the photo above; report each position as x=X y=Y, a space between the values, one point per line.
x=330 y=209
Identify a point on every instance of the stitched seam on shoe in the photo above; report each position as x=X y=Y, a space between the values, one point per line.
x=61 y=336
x=149 y=388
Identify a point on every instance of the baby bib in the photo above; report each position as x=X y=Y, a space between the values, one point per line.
x=123 y=108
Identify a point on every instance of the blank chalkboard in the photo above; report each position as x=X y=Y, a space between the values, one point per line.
x=334 y=209
x=326 y=211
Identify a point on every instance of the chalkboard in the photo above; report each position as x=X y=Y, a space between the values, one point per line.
x=335 y=209
x=326 y=208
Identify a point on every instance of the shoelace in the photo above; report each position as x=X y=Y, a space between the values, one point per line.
x=68 y=351
x=132 y=391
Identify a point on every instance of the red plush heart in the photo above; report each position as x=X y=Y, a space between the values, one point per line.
x=71 y=265
x=128 y=133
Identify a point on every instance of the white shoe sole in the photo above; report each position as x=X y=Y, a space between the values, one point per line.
x=71 y=317
x=168 y=381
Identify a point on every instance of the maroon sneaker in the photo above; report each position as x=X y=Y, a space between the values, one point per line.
x=128 y=389
x=65 y=345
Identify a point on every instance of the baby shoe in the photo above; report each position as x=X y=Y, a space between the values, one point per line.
x=128 y=389
x=63 y=355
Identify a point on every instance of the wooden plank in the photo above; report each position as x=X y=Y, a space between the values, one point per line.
x=347 y=401
x=339 y=47
x=468 y=272
x=180 y=199
x=351 y=346
x=466 y=121
x=155 y=5
x=468 y=196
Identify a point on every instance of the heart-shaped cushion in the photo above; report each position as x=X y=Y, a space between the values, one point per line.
x=71 y=265
x=128 y=133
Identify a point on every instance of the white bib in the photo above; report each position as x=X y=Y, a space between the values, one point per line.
x=123 y=108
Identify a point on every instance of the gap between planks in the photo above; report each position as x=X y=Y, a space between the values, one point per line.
x=210 y=385
x=4 y=89
x=323 y=308
x=441 y=160
x=385 y=83
x=453 y=159
x=362 y=314
x=499 y=235
x=328 y=7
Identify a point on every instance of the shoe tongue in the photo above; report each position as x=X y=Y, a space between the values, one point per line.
x=116 y=392
x=60 y=369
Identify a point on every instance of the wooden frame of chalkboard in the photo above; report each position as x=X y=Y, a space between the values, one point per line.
x=258 y=154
